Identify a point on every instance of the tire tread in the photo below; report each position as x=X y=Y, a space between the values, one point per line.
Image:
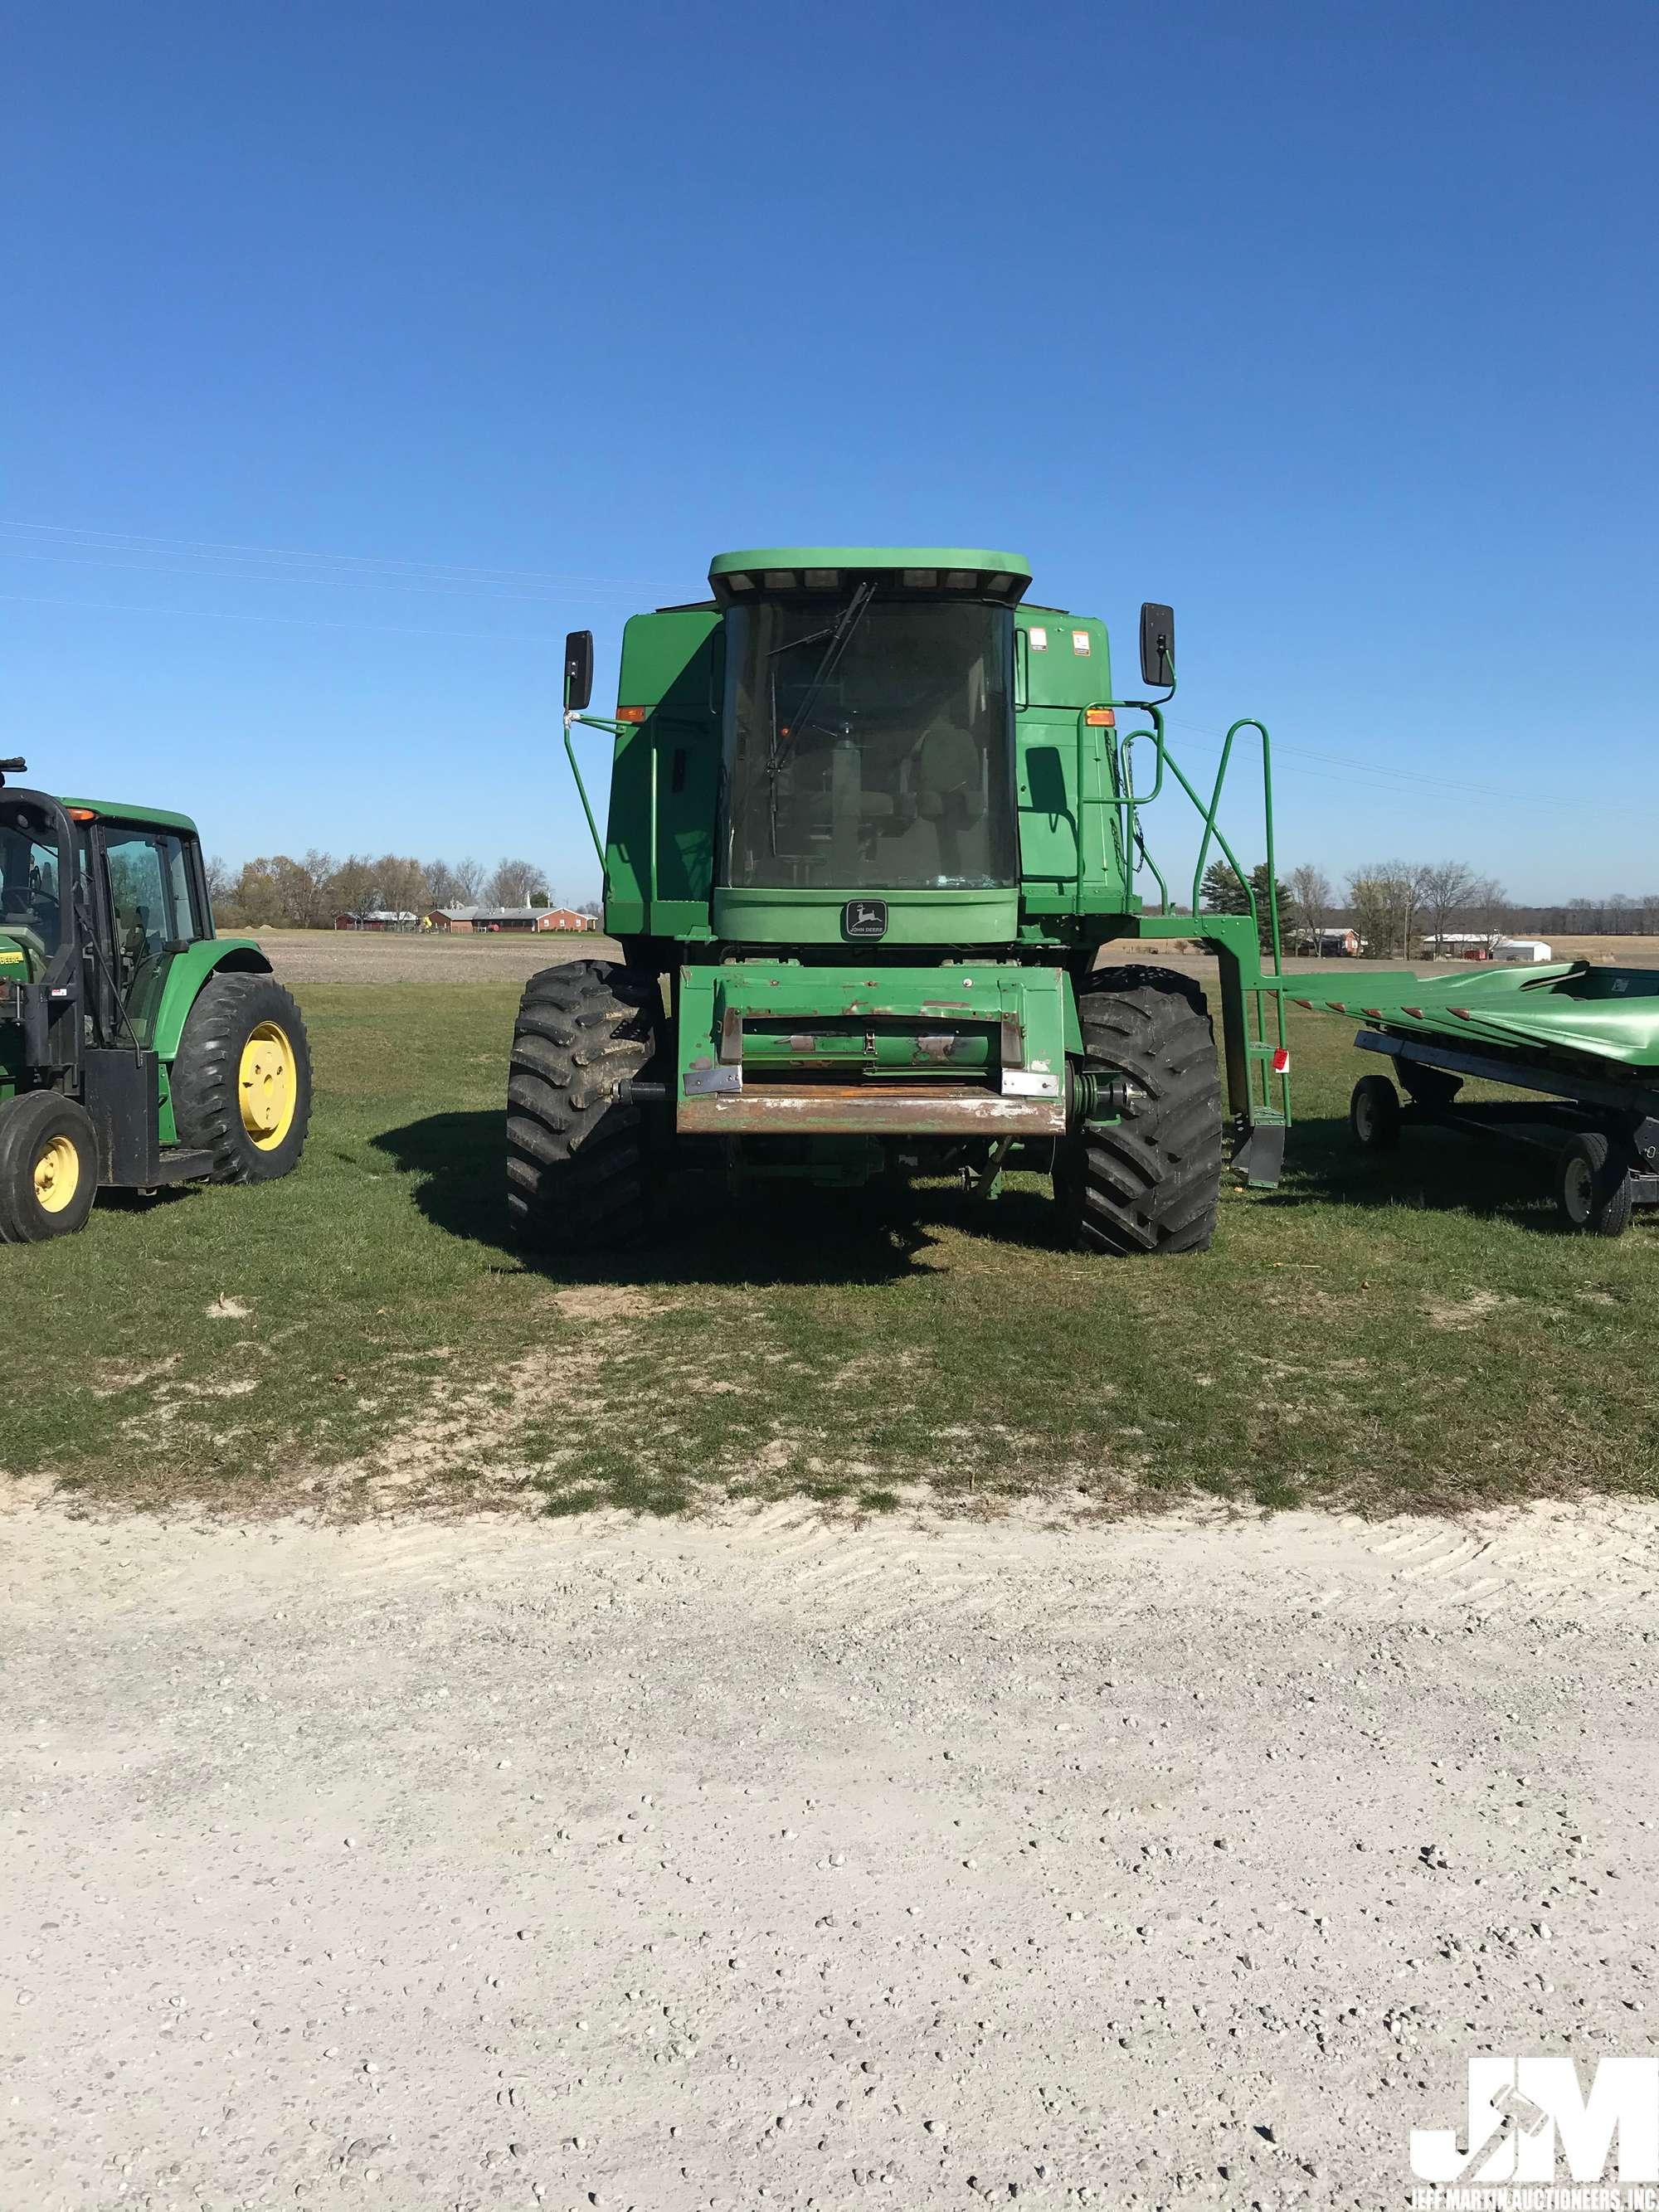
x=1151 y=1183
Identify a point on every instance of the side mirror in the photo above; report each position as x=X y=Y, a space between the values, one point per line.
x=1157 y=644
x=578 y=669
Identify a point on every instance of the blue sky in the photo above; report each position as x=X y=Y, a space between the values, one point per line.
x=359 y=350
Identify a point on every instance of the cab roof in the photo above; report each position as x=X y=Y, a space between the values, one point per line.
x=136 y=817
x=768 y=568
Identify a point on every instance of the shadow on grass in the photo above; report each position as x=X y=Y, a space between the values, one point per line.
x=845 y=1236
x=1433 y=1170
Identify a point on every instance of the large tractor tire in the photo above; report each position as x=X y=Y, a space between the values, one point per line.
x=48 y=1167
x=241 y=1079
x=1152 y=1182
x=577 y=1154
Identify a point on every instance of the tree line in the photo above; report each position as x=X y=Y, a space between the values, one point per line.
x=313 y=891
x=1391 y=904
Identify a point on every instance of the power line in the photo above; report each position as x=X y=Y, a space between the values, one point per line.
x=301 y=622
x=167 y=566
x=136 y=541
x=1404 y=779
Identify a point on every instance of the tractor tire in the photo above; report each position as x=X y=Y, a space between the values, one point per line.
x=241 y=1079
x=1149 y=1183
x=1592 y=1187
x=578 y=1161
x=1374 y=1114
x=48 y=1167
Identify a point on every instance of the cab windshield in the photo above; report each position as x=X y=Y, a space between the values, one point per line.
x=29 y=885
x=869 y=743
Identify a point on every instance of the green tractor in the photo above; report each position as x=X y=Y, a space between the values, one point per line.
x=873 y=853
x=137 y=1048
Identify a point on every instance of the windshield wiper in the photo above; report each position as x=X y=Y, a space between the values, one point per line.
x=840 y=637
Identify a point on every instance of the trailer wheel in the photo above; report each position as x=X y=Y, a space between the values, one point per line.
x=48 y=1167
x=1592 y=1187
x=1374 y=1114
x=1149 y=1183
x=577 y=1154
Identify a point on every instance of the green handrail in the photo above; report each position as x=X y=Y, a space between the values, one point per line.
x=1212 y=829
x=1124 y=797
x=1244 y=722
x=1131 y=801
x=581 y=788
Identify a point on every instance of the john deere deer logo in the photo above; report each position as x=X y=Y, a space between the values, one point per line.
x=864 y=918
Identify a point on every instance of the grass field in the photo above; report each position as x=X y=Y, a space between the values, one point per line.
x=1408 y=1331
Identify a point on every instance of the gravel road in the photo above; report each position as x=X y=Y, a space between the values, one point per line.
x=603 y=1863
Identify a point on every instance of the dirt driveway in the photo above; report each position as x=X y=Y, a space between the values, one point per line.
x=605 y=1863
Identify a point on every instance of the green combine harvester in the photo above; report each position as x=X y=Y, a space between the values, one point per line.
x=137 y=1048
x=874 y=856
x=1584 y=1040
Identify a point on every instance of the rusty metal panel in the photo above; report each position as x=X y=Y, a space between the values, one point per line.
x=869 y=1110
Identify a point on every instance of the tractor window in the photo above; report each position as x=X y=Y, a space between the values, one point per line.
x=29 y=888
x=869 y=745
x=151 y=908
x=186 y=921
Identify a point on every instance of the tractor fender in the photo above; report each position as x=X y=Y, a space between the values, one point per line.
x=187 y=971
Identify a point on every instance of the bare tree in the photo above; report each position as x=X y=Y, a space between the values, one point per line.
x=220 y=880
x=399 y=884
x=1385 y=897
x=351 y=888
x=517 y=882
x=1368 y=903
x=1444 y=889
x=1488 y=905
x=1310 y=888
x=454 y=882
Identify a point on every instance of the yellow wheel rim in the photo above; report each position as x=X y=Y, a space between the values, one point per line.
x=56 y=1175
x=268 y=1085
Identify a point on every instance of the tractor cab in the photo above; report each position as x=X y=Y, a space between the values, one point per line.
x=96 y=903
x=36 y=869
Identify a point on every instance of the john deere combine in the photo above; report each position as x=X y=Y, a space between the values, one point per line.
x=873 y=855
x=135 y=1048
